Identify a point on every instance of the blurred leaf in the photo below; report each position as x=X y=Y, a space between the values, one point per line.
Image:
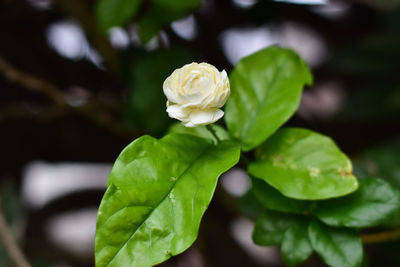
x=161 y=13
x=249 y=205
x=378 y=102
x=271 y=227
x=375 y=56
x=338 y=247
x=381 y=161
x=272 y=199
x=145 y=75
x=158 y=192
x=200 y=131
x=373 y=203
x=12 y=209
x=305 y=165
x=384 y=162
x=296 y=246
x=111 y=13
x=382 y=4
x=266 y=90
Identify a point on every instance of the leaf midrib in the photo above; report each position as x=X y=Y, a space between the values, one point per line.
x=161 y=201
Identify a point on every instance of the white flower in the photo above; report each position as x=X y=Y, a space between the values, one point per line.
x=195 y=93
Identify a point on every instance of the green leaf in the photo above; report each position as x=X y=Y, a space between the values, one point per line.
x=272 y=199
x=303 y=164
x=271 y=226
x=145 y=74
x=249 y=205
x=158 y=191
x=338 y=247
x=296 y=246
x=265 y=92
x=375 y=202
x=161 y=13
x=381 y=161
x=200 y=131
x=111 y=13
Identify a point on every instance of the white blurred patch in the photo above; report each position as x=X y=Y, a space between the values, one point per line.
x=119 y=38
x=305 y=41
x=68 y=40
x=323 y=101
x=77 y=96
x=43 y=182
x=185 y=28
x=241 y=230
x=236 y=182
x=304 y=2
x=74 y=231
x=245 y=3
x=333 y=10
x=40 y=4
x=240 y=42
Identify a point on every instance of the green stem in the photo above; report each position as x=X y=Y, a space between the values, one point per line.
x=212 y=131
x=381 y=237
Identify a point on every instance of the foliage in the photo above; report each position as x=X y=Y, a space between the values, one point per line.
x=293 y=162
x=158 y=191
x=157 y=14
x=265 y=94
x=304 y=195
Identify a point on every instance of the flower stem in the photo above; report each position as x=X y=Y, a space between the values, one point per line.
x=212 y=131
x=381 y=237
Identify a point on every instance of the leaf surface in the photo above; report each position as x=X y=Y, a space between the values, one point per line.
x=375 y=202
x=271 y=227
x=304 y=165
x=296 y=246
x=338 y=247
x=158 y=192
x=265 y=92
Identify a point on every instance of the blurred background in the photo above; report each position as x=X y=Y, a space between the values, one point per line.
x=81 y=79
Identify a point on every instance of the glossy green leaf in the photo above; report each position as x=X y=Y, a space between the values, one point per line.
x=158 y=191
x=375 y=202
x=338 y=247
x=296 y=246
x=272 y=199
x=200 y=131
x=145 y=74
x=111 y=13
x=161 y=13
x=265 y=92
x=271 y=227
x=303 y=164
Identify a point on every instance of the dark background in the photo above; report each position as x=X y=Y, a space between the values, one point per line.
x=84 y=105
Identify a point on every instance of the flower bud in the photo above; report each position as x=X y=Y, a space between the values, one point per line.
x=195 y=94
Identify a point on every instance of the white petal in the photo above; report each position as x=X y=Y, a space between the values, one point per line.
x=189 y=124
x=177 y=112
x=169 y=93
x=204 y=117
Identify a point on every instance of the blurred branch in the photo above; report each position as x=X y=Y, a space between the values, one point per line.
x=381 y=237
x=93 y=110
x=27 y=110
x=10 y=244
x=79 y=10
x=30 y=82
